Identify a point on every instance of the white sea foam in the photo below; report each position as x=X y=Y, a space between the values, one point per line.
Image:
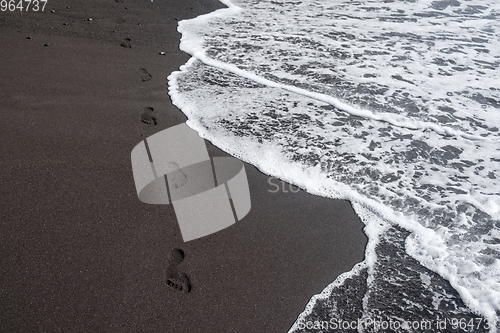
x=392 y=107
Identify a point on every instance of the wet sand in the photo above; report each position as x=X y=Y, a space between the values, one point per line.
x=80 y=252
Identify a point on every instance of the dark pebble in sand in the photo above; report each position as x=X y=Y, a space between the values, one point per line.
x=65 y=23
x=52 y=11
x=28 y=37
x=46 y=44
x=67 y=7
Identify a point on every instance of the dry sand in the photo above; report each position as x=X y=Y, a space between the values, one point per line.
x=79 y=251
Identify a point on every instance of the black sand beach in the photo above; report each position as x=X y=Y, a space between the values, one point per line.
x=79 y=251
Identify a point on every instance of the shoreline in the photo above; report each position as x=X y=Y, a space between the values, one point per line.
x=81 y=252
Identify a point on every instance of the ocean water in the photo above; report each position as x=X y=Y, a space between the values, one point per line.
x=393 y=105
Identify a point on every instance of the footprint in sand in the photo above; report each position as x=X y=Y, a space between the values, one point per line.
x=176 y=177
x=176 y=280
x=145 y=76
x=126 y=43
x=147 y=116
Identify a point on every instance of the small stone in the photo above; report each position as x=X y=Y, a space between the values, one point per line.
x=162 y=53
x=46 y=44
x=67 y=7
x=28 y=37
x=52 y=11
x=65 y=23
